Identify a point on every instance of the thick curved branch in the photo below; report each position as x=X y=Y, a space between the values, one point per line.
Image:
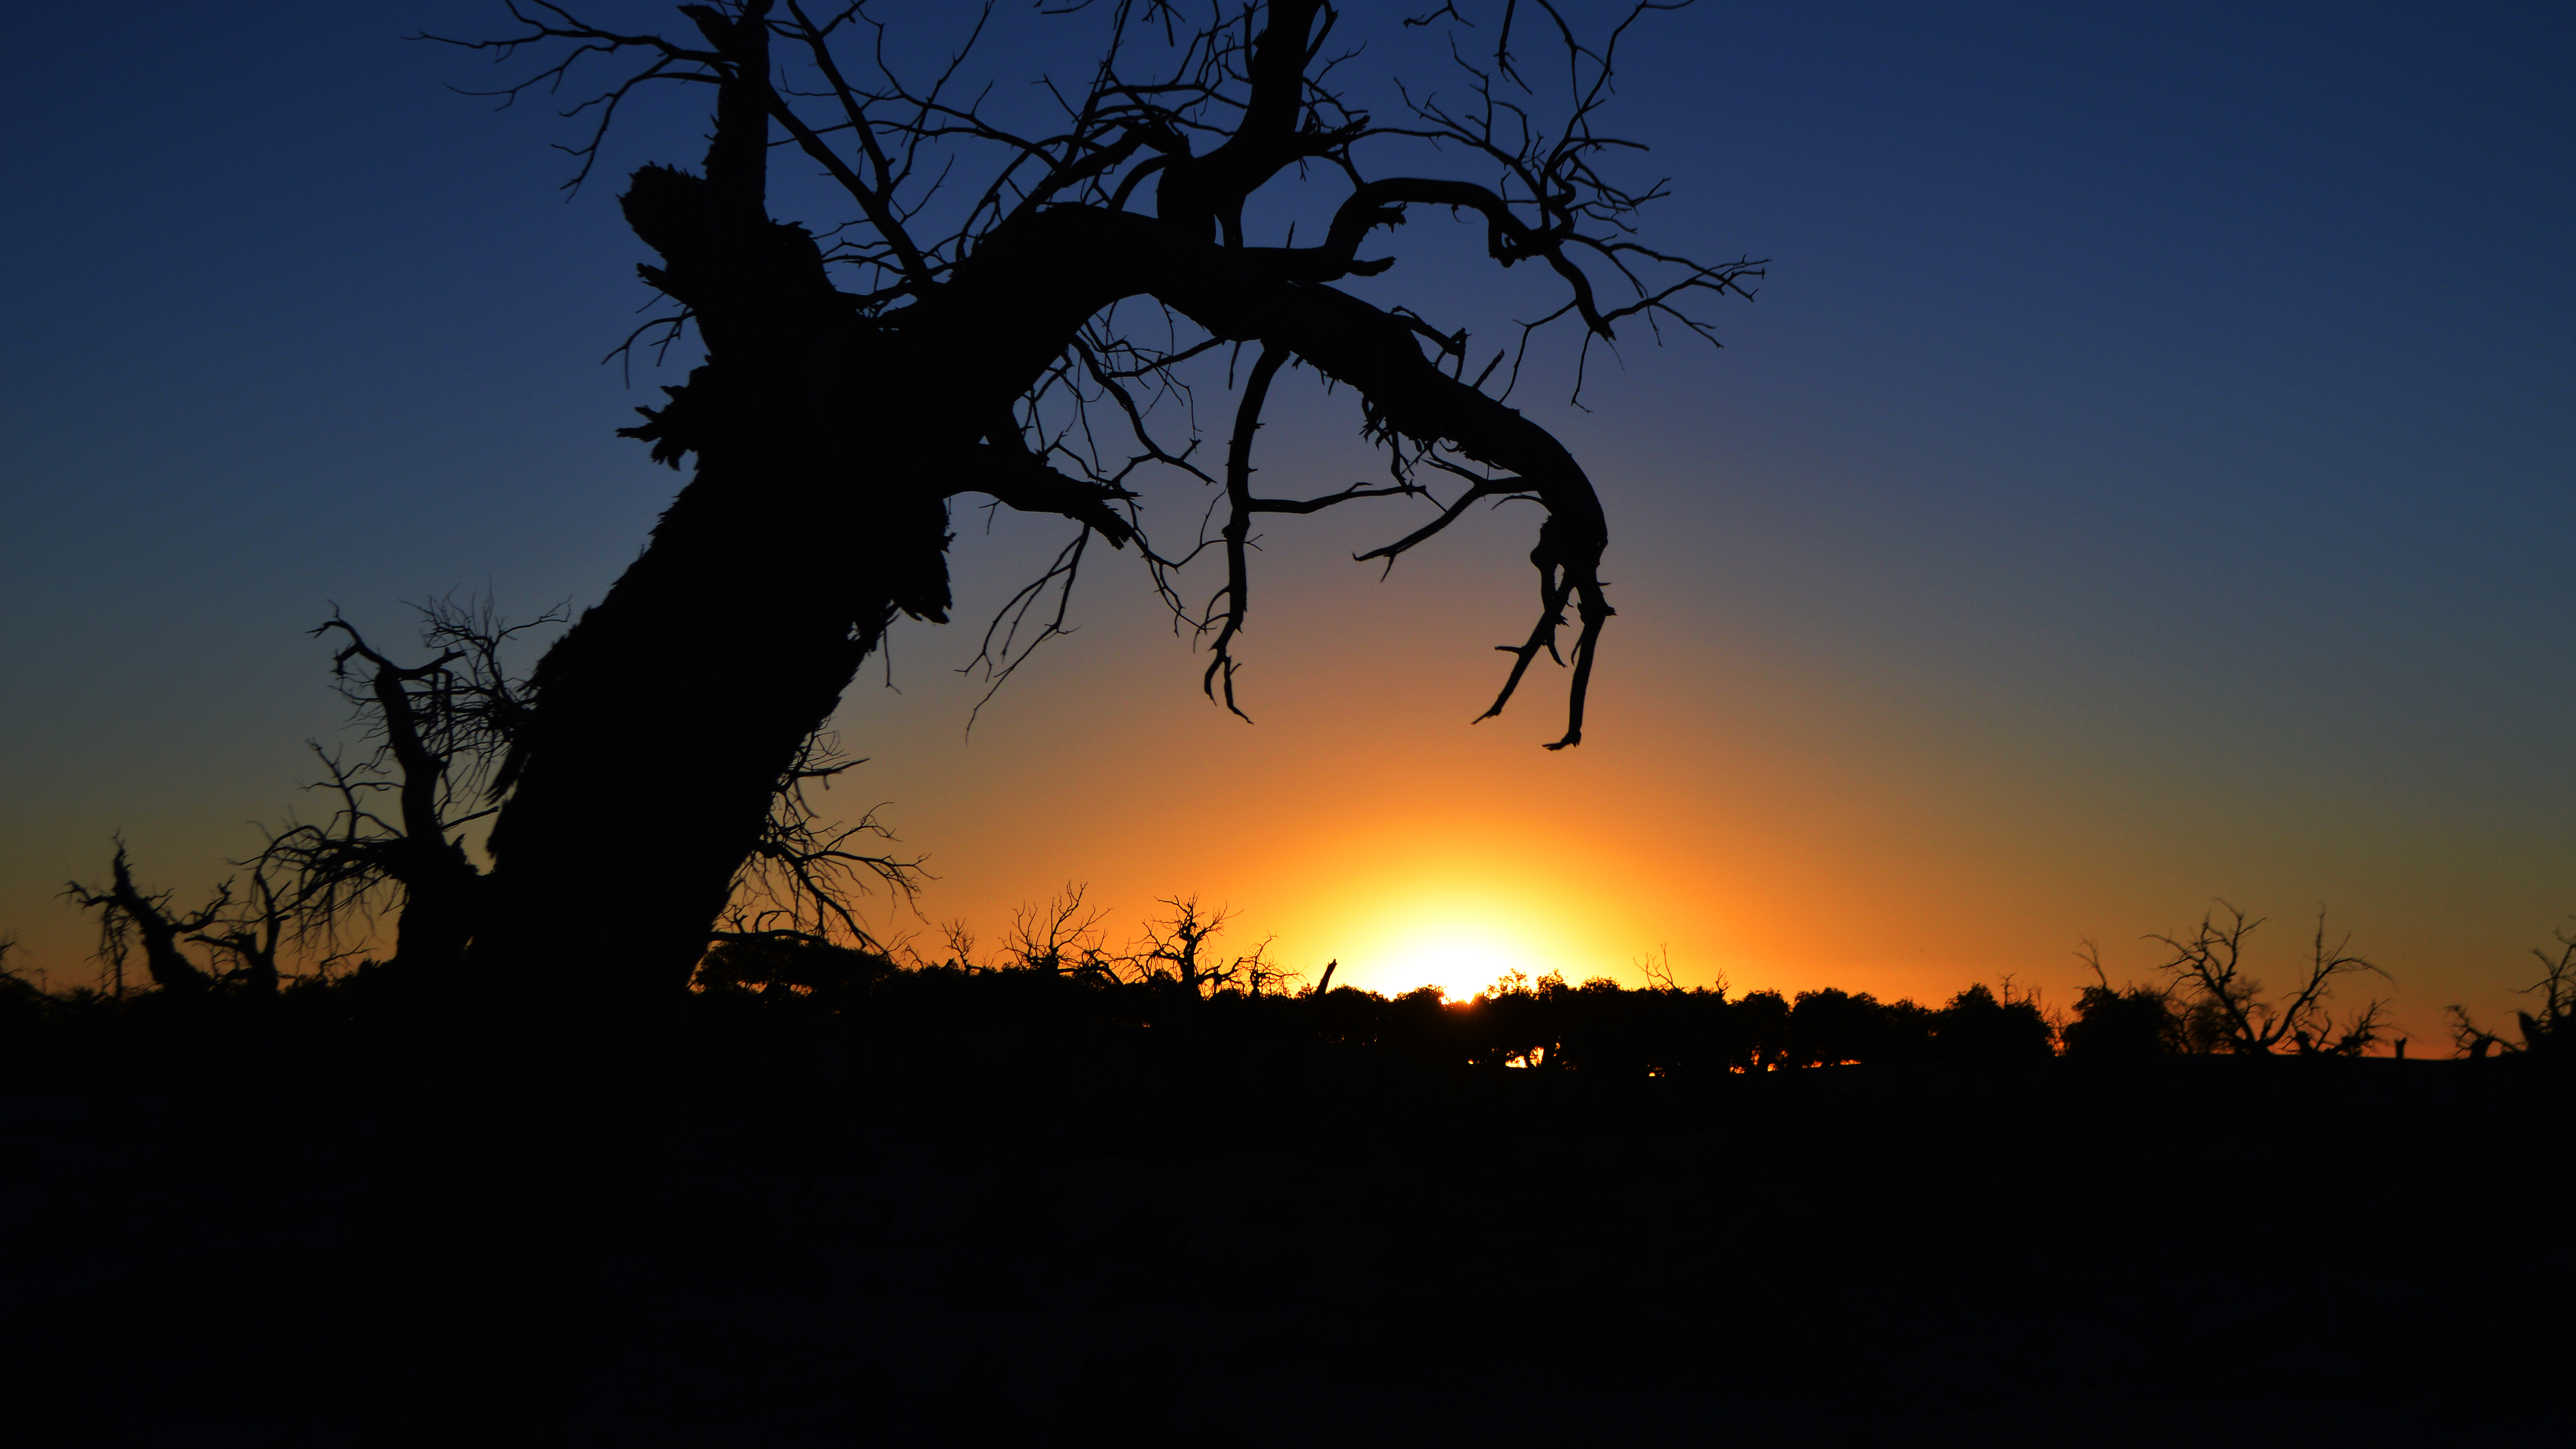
x=1018 y=280
x=1508 y=239
x=1375 y=352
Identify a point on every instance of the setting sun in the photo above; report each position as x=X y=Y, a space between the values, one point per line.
x=1461 y=952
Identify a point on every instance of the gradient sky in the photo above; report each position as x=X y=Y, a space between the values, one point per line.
x=2144 y=477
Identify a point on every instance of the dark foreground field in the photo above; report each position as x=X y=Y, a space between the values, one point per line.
x=972 y=1224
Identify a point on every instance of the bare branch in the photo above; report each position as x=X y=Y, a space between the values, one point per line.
x=804 y=878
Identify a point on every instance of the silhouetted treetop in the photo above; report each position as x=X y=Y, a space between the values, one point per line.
x=988 y=246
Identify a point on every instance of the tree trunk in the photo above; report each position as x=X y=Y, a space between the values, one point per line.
x=663 y=720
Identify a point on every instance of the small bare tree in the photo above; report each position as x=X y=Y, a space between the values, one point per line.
x=396 y=834
x=2469 y=1039
x=1175 y=949
x=2226 y=1010
x=2548 y=1032
x=130 y=918
x=248 y=930
x=1061 y=937
x=250 y=935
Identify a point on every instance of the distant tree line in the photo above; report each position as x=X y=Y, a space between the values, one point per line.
x=1054 y=963
x=1548 y=1024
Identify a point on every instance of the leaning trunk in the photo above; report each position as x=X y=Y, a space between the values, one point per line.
x=663 y=721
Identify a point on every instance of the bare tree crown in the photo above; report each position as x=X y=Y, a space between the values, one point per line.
x=2228 y=1009
x=1059 y=264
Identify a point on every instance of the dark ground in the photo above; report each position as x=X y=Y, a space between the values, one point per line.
x=938 y=1230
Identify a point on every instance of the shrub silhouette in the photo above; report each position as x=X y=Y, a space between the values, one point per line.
x=837 y=976
x=1976 y=1025
x=1830 y=1026
x=2122 y=1023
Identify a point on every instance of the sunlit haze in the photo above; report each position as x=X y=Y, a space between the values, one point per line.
x=1460 y=946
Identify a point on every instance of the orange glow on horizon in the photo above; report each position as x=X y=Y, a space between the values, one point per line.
x=1460 y=941
x=1460 y=959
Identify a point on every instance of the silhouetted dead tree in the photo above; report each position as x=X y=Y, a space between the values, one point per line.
x=129 y=917
x=2547 y=1033
x=2556 y=989
x=1175 y=949
x=248 y=931
x=396 y=834
x=1004 y=309
x=1061 y=937
x=2226 y=1010
x=252 y=934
